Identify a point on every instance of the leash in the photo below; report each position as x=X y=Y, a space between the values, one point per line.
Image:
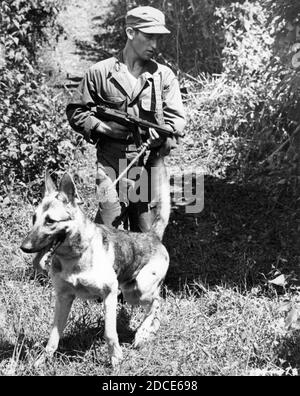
x=142 y=150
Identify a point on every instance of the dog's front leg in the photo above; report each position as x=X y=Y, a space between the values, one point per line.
x=63 y=306
x=110 y=334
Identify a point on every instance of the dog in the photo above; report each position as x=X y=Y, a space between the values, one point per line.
x=91 y=261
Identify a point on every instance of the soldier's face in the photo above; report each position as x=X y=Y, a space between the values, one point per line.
x=144 y=44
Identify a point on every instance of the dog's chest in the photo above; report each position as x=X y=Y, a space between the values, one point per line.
x=86 y=285
x=86 y=276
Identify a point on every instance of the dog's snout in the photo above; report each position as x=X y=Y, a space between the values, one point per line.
x=27 y=246
x=25 y=249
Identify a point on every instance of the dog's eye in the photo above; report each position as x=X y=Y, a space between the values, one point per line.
x=48 y=220
x=33 y=218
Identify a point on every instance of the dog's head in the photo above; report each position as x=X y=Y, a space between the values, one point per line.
x=51 y=220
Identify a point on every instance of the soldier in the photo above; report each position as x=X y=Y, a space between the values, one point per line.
x=135 y=83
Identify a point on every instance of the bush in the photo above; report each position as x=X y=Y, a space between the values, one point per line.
x=217 y=125
x=34 y=131
x=246 y=58
x=25 y=26
x=228 y=111
x=285 y=17
x=35 y=134
x=257 y=96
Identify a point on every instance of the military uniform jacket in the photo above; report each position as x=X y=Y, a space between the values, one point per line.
x=107 y=83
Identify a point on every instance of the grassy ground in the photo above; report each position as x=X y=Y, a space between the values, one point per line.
x=221 y=314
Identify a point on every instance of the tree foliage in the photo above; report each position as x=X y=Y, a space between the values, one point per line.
x=285 y=17
x=34 y=133
x=195 y=43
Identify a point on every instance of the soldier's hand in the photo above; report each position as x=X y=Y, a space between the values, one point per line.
x=155 y=139
x=112 y=129
x=169 y=144
x=165 y=144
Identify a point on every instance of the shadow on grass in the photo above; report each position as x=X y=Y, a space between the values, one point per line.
x=289 y=352
x=84 y=337
x=18 y=350
x=73 y=345
x=6 y=349
x=243 y=232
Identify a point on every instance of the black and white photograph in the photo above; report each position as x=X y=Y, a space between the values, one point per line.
x=149 y=191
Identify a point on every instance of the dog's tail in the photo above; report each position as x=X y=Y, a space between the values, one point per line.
x=161 y=199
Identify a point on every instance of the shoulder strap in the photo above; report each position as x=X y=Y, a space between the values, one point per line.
x=158 y=98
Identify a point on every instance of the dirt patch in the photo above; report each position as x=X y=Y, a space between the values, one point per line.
x=81 y=21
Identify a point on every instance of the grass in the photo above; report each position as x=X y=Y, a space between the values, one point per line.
x=206 y=330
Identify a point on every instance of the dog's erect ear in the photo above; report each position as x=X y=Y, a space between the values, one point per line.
x=49 y=184
x=67 y=186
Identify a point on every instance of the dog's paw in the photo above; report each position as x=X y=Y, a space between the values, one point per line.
x=141 y=337
x=115 y=361
x=43 y=358
x=116 y=357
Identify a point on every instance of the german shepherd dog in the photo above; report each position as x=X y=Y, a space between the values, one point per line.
x=91 y=261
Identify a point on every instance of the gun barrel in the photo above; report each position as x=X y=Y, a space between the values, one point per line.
x=147 y=124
